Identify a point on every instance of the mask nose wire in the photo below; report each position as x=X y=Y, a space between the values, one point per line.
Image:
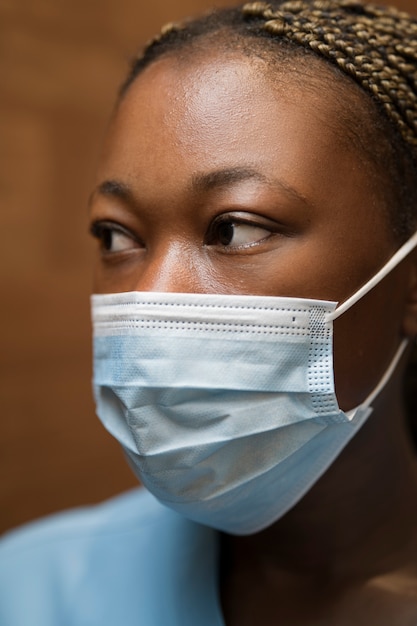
x=399 y=256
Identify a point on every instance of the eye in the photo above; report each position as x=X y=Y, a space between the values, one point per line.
x=113 y=238
x=236 y=231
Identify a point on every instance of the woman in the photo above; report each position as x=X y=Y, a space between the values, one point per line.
x=256 y=213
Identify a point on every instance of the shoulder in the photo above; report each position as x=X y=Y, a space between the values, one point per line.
x=59 y=537
x=132 y=510
x=90 y=565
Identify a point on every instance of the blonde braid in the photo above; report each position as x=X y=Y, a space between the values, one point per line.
x=376 y=47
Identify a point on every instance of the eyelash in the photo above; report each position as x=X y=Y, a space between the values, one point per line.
x=233 y=220
x=103 y=231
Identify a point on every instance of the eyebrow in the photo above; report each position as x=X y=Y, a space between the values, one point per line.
x=114 y=188
x=226 y=176
x=231 y=175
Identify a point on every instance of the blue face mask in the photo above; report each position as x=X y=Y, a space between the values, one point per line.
x=225 y=405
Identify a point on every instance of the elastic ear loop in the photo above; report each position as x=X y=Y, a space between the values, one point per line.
x=399 y=256
x=384 y=271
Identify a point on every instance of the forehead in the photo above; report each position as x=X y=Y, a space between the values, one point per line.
x=182 y=117
x=231 y=91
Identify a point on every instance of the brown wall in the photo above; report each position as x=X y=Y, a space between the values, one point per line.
x=60 y=64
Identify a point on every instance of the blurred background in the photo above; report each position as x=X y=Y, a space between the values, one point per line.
x=61 y=62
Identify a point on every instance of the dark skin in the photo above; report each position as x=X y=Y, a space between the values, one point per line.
x=216 y=179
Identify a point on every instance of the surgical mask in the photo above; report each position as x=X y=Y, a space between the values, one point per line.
x=225 y=405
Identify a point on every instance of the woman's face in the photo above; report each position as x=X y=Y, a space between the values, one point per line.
x=215 y=178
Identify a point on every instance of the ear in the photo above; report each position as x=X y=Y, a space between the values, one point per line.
x=410 y=314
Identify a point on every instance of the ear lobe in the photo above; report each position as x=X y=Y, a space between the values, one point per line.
x=410 y=315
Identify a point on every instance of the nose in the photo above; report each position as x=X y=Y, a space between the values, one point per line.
x=175 y=268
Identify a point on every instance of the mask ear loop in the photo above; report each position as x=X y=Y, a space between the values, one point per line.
x=399 y=256
x=387 y=375
x=384 y=271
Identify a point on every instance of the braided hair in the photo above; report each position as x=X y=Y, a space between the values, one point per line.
x=376 y=47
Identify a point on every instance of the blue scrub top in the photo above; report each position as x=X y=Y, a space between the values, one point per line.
x=129 y=562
